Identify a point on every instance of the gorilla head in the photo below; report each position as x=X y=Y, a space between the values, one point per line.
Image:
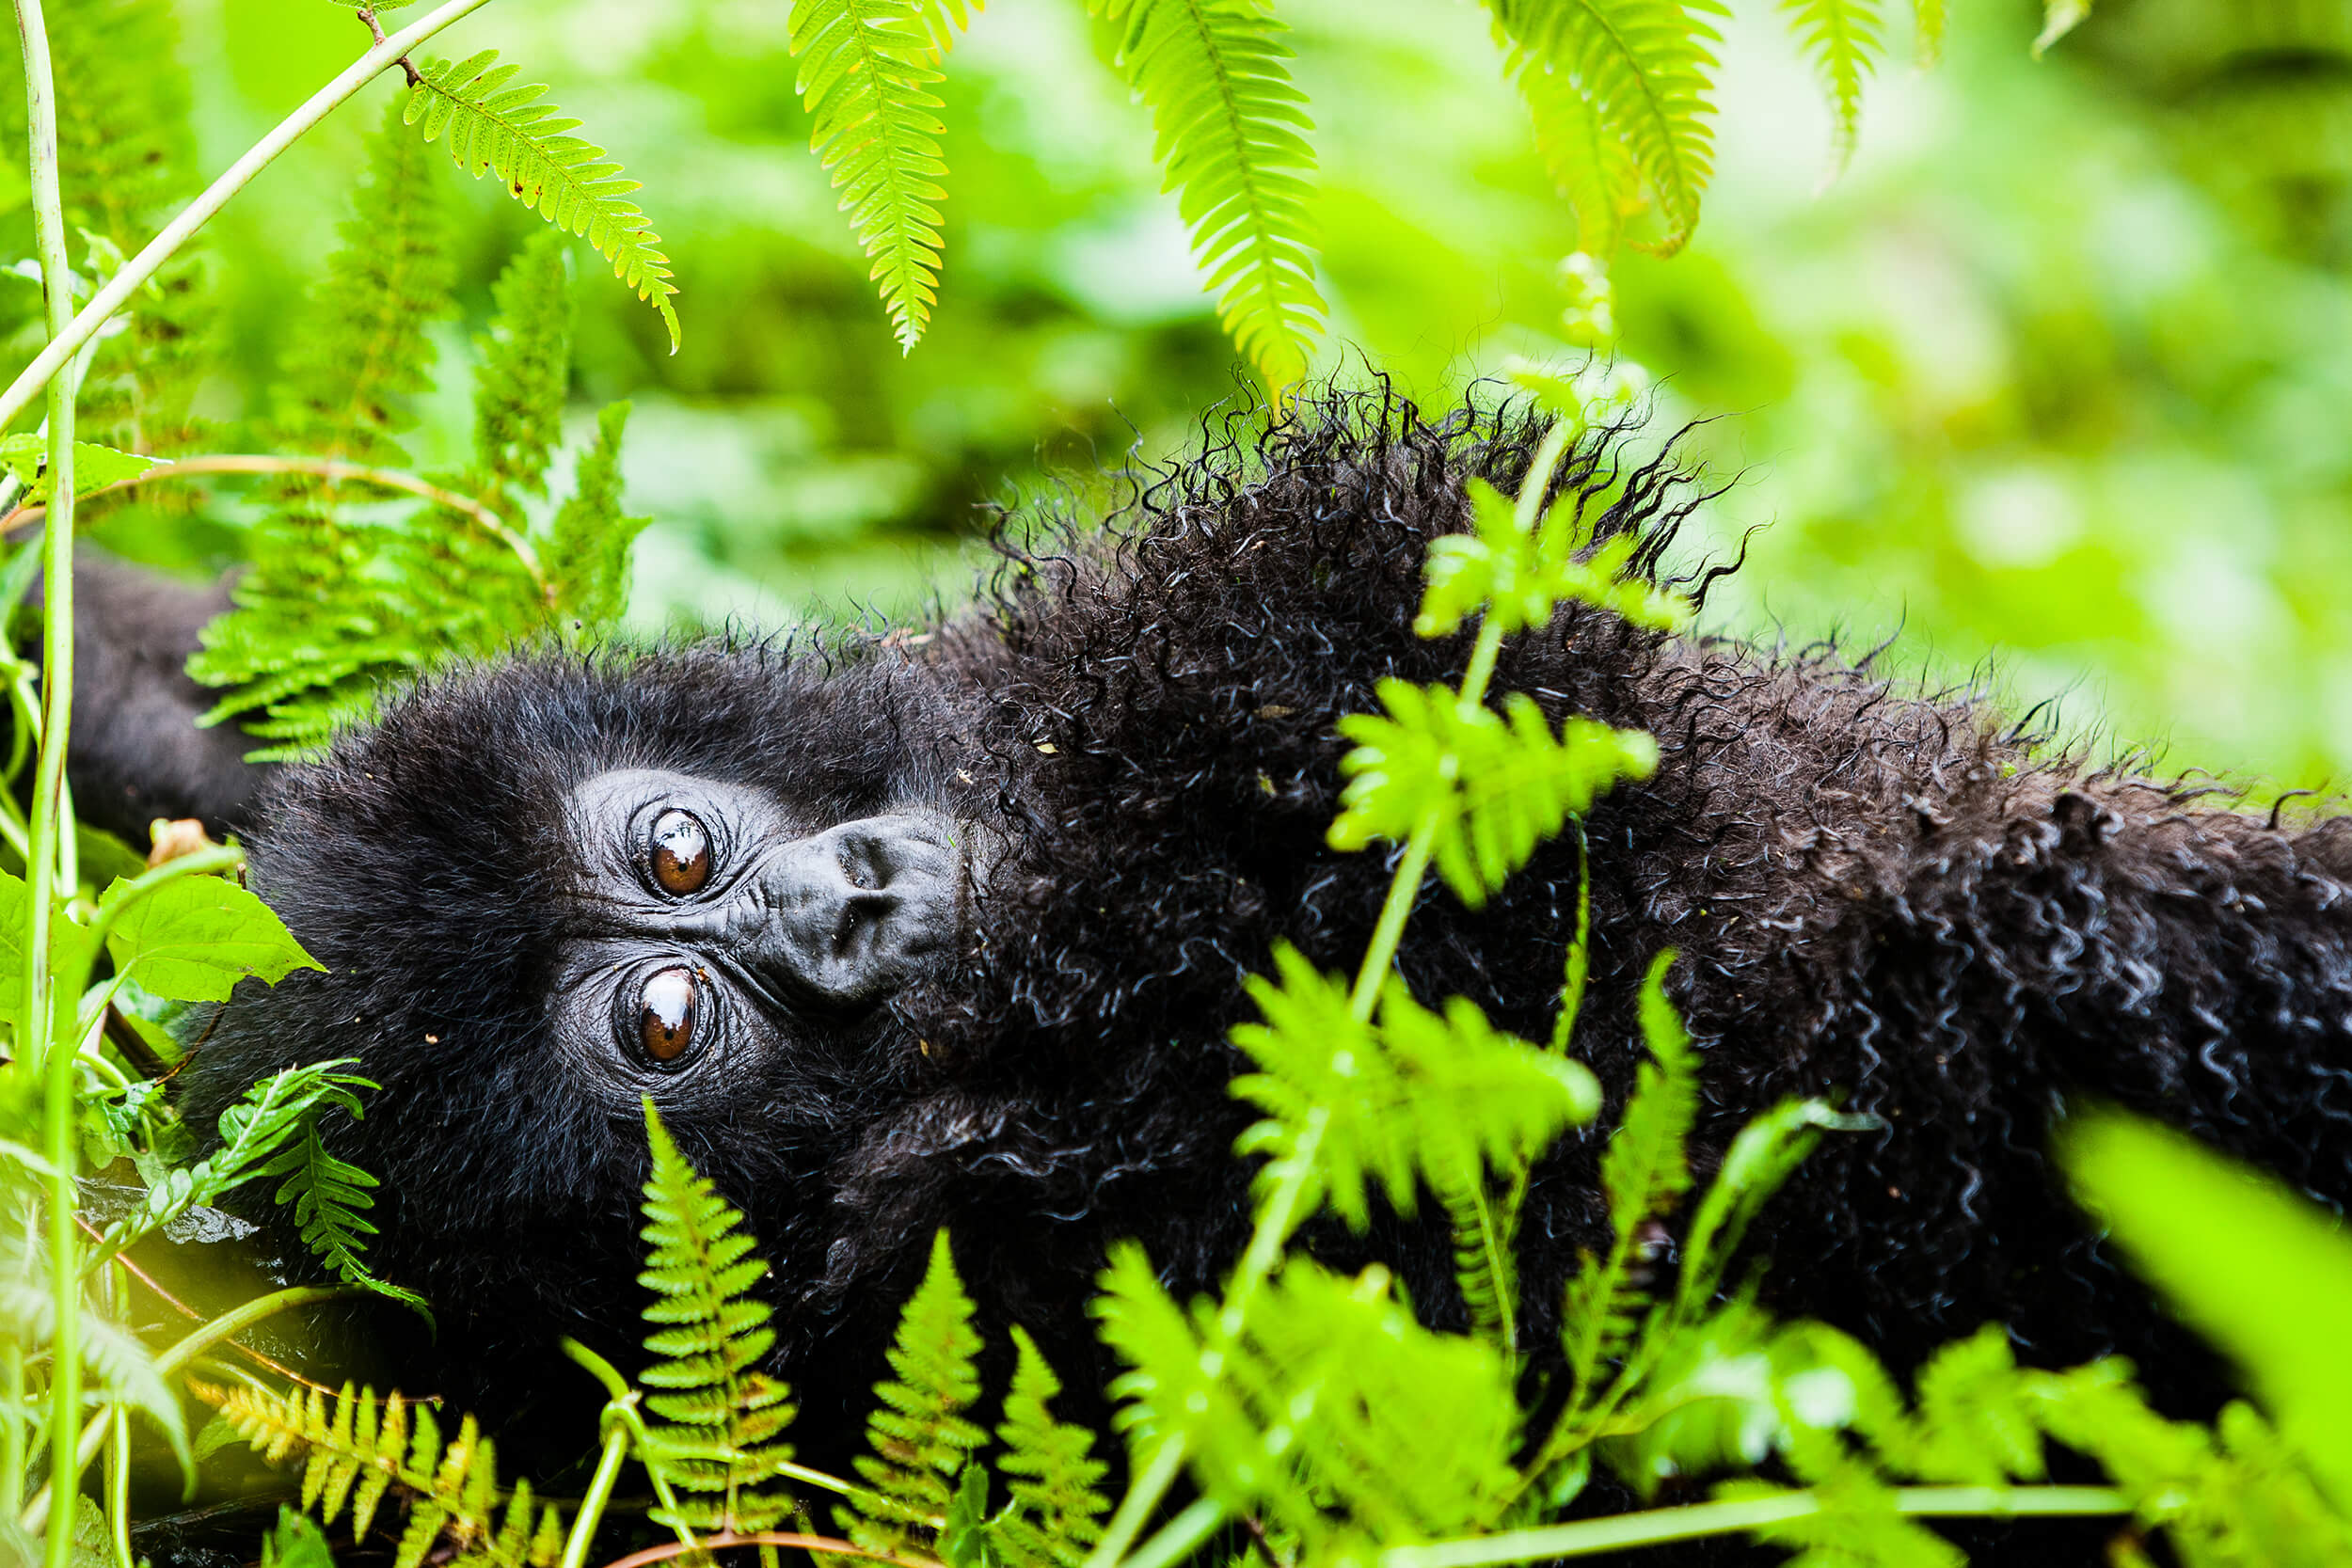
x=949 y=929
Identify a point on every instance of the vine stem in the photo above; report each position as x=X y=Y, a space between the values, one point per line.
x=766 y=1538
x=1659 y=1525
x=43 y=1043
x=324 y=468
x=196 y=214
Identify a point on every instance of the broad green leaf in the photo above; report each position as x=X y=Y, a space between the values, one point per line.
x=95 y=468
x=2264 y=1273
x=69 y=947
x=194 y=939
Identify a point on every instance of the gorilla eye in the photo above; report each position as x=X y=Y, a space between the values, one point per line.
x=665 y=1014
x=681 y=852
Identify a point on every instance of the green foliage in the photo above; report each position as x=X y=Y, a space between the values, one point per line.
x=1350 y=1103
x=921 y=1436
x=268 y=1115
x=330 y=1197
x=355 y=1451
x=865 y=71
x=1842 y=39
x=194 y=939
x=341 y=598
x=95 y=468
x=2257 y=1268
x=1228 y=124
x=494 y=127
x=295 y=1542
x=1055 y=1513
x=723 y=1418
x=1337 y=1415
x=1644 y=65
x=2059 y=18
x=1488 y=786
x=1515 y=575
x=1589 y=165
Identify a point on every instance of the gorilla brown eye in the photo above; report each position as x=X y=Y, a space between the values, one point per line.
x=681 y=852
x=665 y=1014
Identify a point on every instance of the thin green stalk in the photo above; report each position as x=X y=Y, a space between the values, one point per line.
x=11 y=1428
x=1136 y=1508
x=600 y=1493
x=138 y=269
x=42 y=1043
x=119 y=1486
x=1402 y=889
x=1655 y=1526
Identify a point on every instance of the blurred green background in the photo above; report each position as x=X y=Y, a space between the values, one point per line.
x=2054 y=378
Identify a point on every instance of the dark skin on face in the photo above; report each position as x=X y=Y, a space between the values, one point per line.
x=710 y=923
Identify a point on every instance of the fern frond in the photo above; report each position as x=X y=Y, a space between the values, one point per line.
x=1588 y=164
x=1766 y=1153
x=1228 y=124
x=1337 y=1416
x=529 y=143
x=865 y=74
x=586 y=547
x=1494 y=785
x=1485 y=1228
x=920 y=1437
x=331 y=1199
x=126 y=155
x=1644 y=66
x=1420 y=1096
x=525 y=369
x=355 y=1451
x=723 y=1418
x=1056 y=1512
x=1644 y=1173
x=944 y=18
x=1928 y=19
x=1842 y=39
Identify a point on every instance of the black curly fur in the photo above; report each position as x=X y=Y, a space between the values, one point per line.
x=1889 y=898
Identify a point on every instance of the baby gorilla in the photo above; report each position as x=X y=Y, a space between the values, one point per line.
x=950 y=928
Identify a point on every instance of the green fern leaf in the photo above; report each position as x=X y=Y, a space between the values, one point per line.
x=1492 y=786
x=1588 y=164
x=920 y=1437
x=1337 y=1416
x=1766 y=1153
x=1644 y=66
x=865 y=74
x=586 y=547
x=944 y=18
x=351 y=1451
x=1228 y=124
x=525 y=369
x=1352 y=1104
x=491 y=127
x=1055 y=1515
x=1928 y=19
x=331 y=1199
x=1843 y=39
x=723 y=1418
x=1486 y=1236
x=126 y=157
x=1643 y=1174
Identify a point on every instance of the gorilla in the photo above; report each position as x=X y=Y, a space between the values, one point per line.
x=948 y=927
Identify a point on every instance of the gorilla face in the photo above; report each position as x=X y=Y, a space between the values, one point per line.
x=713 y=928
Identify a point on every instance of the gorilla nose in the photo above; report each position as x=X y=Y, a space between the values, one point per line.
x=855 y=912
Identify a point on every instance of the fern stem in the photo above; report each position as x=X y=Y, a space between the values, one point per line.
x=197 y=213
x=1657 y=1526
x=1402 y=889
x=324 y=468
x=616 y=1440
x=41 y=1045
x=1135 y=1509
x=766 y=1538
x=118 y=1487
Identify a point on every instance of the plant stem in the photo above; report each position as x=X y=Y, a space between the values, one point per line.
x=768 y=1538
x=1179 y=1535
x=1656 y=1526
x=600 y=1493
x=11 y=1428
x=139 y=269
x=42 y=1043
x=1402 y=889
x=324 y=468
